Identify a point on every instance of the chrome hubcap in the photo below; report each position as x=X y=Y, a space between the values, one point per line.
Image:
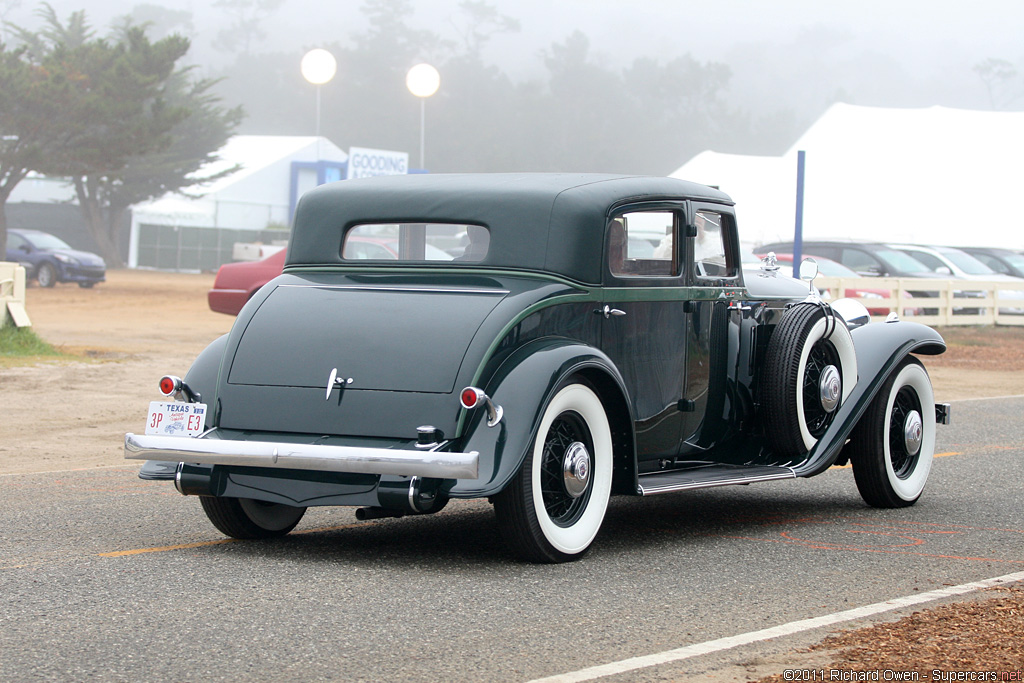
x=913 y=431
x=576 y=469
x=830 y=388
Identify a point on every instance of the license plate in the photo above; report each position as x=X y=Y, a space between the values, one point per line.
x=176 y=418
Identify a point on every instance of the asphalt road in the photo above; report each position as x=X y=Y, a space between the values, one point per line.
x=106 y=577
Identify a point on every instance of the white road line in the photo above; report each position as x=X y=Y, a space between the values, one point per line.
x=985 y=398
x=699 y=649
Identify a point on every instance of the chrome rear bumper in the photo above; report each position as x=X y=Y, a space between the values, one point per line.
x=297 y=456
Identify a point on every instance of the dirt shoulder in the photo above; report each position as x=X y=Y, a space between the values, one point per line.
x=139 y=325
x=125 y=334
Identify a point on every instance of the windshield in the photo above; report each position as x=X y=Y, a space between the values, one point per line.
x=966 y=262
x=44 y=240
x=897 y=260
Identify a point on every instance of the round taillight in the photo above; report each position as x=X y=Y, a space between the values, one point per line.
x=168 y=385
x=470 y=397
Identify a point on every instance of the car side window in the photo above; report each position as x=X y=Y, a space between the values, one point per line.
x=709 y=259
x=860 y=261
x=933 y=263
x=15 y=241
x=643 y=244
x=993 y=263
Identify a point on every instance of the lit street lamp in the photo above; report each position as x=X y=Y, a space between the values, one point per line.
x=423 y=81
x=318 y=67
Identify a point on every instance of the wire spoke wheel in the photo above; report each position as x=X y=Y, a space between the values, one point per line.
x=892 y=446
x=553 y=508
x=561 y=506
x=810 y=369
x=904 y=408
x=822 y=356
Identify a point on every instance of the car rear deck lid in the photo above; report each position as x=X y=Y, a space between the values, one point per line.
x=384 y=337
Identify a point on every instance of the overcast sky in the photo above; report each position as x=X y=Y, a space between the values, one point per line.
x=800 y=54
x=915 y=30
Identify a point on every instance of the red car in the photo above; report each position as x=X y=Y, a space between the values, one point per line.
x=830 y=268
x=237 y=282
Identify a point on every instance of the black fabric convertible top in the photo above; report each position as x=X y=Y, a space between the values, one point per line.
x=537 y=221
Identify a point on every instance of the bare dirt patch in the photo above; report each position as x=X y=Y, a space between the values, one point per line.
x=127 y=333
x=979 y=362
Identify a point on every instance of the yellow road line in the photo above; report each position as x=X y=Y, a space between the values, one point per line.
x=139 y=551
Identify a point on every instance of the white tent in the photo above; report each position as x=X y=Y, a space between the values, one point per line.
x=935 y=175
x=273 y=171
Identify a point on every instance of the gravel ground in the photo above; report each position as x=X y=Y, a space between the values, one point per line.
x=976 y=639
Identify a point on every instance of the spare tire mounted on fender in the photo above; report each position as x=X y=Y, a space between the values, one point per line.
x=810 y=369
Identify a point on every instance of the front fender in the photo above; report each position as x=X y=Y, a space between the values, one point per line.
x=523 y=385
x=879 y=348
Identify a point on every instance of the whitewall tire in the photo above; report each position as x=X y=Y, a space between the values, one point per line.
x=810 y=370
x=893 y=445
x=554 y=506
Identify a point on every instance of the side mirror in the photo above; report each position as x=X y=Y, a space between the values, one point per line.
x=870 y=271
x=808 y=269
x=943 y=270
x=25 y=248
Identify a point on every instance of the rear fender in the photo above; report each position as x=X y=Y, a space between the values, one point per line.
x=879 y=347
x=202 y=379
x=522 y=386
x=202 y=376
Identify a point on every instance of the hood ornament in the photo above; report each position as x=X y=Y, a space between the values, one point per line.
x=335 y=381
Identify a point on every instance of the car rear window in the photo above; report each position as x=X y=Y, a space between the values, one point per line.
x=416 y=242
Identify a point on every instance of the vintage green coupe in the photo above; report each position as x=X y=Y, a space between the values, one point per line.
x=540 y=340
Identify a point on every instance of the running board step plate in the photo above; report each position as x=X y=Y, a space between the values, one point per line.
x=707 y=476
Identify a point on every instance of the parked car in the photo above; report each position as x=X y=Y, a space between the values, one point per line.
x=868 y=259
x=236 y=283
x=831 y=268
x=549 y=371
x=48 y=259
x=953 y=262
x=1005 y=261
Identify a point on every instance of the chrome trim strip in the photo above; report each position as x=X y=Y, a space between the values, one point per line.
x=398 y=288
x=666 y=488
x=298 y=456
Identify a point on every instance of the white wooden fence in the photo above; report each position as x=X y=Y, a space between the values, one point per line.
x=12 y=294
x=949 y=302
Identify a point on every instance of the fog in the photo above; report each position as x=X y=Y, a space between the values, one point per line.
x=788 y=59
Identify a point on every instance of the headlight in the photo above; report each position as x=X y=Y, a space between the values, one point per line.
x=64 y=258
x=869 y=295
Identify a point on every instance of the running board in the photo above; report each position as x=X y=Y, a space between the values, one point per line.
x=707 y=476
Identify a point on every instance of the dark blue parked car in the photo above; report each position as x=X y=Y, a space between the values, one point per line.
x=49 y=259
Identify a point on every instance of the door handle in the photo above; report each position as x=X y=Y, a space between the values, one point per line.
x=608 y=311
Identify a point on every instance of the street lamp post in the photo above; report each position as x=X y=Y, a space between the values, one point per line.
x=423 y=80
x=318 y=67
